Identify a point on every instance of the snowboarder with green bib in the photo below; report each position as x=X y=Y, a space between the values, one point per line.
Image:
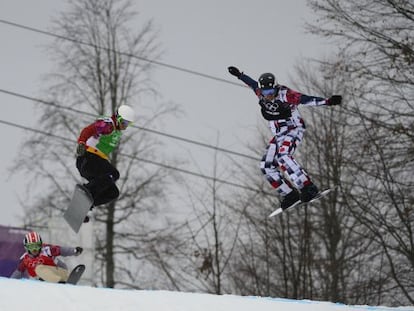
x=95 y=143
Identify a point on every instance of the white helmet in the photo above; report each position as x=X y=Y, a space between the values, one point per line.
x=126 y=113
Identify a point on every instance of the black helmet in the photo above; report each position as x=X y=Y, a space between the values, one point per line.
x=267 y=81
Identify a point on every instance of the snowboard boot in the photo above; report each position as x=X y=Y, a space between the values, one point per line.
x=88 y=192
x=89 y=215
x=290 y=199
x=308 y=192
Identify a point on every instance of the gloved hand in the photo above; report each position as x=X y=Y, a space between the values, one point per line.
x=334 y=100
x=78 y=250
x=234 y=71
x=81 y=150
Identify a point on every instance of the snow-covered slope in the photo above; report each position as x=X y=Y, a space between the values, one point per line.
x=18 y=295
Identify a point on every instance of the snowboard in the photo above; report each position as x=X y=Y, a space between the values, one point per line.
x=320 y=194
x=79 y=206
x=76 y=274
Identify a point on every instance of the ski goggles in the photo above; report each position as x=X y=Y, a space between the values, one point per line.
x=267 y=92
x=33 y=247
x=125 y=122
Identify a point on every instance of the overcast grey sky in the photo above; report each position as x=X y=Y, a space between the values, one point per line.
x=204 y=36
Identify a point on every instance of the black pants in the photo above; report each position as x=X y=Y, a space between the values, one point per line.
x=101 y=175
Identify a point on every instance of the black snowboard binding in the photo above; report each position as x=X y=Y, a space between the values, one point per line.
x=290 y=199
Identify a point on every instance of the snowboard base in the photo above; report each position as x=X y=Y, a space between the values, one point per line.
x=79 y=206
x=300 y=203
x=76 y=274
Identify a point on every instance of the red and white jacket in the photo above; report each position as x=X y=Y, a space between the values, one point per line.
x=47 y=256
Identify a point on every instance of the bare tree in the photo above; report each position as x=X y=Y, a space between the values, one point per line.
x=100 y=65
x=204 y=240
x=342 y=242
x=312 y=252
x=376 y=53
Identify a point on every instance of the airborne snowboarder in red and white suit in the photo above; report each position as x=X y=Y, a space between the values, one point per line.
x=279 y=105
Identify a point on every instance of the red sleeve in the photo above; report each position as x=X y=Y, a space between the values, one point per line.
x=87 y=132
x=21 y=266
x=296 y=98
x=54 y=250
x=293 y=97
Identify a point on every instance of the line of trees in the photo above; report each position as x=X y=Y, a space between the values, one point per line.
x=356 y=246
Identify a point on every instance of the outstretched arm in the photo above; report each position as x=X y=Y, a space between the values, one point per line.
x=297 y=98
x=70 y=251
x=245 y=78
x=57 y=250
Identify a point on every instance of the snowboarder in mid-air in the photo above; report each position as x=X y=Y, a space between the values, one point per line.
x=95 y=143
x=279 y=105
x=40 y=261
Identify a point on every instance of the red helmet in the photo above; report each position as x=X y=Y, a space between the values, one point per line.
x=32 y=243
x=32 y=238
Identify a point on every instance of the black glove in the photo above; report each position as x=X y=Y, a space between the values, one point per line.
x=78 y=250
x=234 y=71
x=81 y=150
x=334 y=100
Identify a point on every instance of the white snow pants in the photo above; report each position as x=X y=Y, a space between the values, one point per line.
x=278 y=165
